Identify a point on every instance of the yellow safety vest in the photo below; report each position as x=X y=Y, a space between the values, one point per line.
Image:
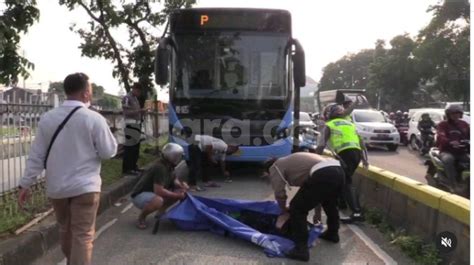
x=343 y=135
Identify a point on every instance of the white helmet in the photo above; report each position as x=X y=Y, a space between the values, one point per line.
x=173 y=153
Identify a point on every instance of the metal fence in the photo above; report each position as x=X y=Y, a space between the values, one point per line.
x=18 y=124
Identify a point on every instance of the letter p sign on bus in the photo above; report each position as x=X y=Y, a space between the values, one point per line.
x=204 y=19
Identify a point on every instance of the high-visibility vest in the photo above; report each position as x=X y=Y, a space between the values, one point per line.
x=343 y=135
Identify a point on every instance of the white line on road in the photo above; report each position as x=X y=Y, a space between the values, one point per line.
x=127 y=208
x=97 y=234
x=105 y=227
x=371 y=244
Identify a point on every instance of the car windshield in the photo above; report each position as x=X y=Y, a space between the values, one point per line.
x=231 y=65
x=368 y=116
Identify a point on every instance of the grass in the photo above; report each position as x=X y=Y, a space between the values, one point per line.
x=412 y=246
x=8 y=131
x=12 y=218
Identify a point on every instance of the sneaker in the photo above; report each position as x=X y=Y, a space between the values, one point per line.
x=228 y=180
x=298 y=253
x=331 y=237
x=354 y=217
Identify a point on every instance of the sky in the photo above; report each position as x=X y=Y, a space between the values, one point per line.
x=327 y=30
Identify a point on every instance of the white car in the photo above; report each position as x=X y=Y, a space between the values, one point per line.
x=437 y=115
x=375 y=129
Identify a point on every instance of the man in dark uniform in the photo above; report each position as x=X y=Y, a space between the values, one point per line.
x=133 y=120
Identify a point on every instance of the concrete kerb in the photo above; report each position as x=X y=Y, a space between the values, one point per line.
x=34 y=243
x=452 y=205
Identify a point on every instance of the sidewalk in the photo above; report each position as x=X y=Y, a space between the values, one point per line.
x=38 y=240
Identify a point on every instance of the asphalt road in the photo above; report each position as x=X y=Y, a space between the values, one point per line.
x=403 y=162
x=119 y=242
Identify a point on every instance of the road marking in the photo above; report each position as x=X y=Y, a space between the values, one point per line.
x=97 y=234
x=371 y=244
x=127 y=208
x=105 y=227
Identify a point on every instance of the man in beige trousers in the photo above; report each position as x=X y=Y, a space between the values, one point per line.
x=70 y=142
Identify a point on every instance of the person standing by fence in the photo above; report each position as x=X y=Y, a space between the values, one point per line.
x=133 y=128
x=70 y=142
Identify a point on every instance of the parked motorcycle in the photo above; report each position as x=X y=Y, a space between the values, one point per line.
x=436 y=175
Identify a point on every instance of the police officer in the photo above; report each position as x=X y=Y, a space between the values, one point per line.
x=341 y=136
x=133 y=120
x=320 y=181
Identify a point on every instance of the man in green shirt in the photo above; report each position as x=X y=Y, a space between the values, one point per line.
x=158 y=188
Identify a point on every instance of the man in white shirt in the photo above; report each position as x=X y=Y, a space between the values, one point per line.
x=72 y=164
x=204 y=151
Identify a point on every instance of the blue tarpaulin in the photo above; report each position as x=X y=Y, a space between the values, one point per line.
x=231 y=218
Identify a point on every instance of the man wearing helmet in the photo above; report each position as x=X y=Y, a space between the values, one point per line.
x=398 y=117
x=391 y=116
x=450 y=133
x=341 y=136
x=425 y=126
x=158 y=188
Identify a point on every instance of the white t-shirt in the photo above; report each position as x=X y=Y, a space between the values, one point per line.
x=219 y=147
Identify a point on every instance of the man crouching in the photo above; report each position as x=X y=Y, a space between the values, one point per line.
x=320 y=181
x=159 y=188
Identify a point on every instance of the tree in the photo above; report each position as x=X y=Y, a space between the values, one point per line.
x=15 y=19
x=135 y=56
x=58 y=88
x=393 y=75
x=443 y=53
x=349 y=72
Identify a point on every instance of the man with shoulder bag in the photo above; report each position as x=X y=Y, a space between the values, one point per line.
x=69 y=144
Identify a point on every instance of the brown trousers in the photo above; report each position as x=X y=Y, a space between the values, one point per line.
x=76 y=217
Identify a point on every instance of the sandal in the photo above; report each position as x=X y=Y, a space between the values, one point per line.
x=211 y=185
x=141 y=224
x=196 y=188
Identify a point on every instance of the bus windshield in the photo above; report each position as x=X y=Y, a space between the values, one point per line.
x=230 y=65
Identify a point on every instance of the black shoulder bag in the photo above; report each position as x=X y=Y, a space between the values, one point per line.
x=58 y=130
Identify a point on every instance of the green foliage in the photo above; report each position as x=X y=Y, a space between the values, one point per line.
x=412 y=246
x=412 y=72
x=132 y=58
x=16 y=17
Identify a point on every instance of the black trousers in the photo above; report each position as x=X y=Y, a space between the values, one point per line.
x=351 y=159
x=131 y=148
x=198 y=165
x=323 y=187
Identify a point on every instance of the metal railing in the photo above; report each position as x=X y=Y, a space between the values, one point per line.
x=18 y=125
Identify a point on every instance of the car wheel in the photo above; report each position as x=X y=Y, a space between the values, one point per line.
x=392 y=147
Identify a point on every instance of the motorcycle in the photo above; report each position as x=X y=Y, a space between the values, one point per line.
x=403 y=131
x=426 y=145
x=436 y=175
x=308 y=139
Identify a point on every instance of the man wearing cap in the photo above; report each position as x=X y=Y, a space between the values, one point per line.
x=133 y=121
x=320 y=181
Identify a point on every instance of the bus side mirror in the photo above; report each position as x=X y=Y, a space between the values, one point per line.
x=299 y=68
x=162 y=63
